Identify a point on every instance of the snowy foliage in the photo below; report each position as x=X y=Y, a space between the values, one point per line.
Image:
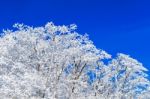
x=55 y=62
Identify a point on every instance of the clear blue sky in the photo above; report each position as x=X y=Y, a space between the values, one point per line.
x=113 y=25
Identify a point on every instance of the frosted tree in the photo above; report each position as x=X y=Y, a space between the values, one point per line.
x=56 y=62
x=127 y=78
x=123 y=78
x=45 y=62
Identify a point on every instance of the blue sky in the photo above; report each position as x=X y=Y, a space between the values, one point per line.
x=114 y=25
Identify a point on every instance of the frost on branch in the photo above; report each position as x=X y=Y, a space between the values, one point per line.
x=55 y=62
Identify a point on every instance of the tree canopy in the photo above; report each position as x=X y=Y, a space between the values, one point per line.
x=56 y=62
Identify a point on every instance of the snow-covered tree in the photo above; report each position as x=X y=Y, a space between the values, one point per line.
x=123 y=78
x=127 y=78
x=45 y=62
x=56 y=62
